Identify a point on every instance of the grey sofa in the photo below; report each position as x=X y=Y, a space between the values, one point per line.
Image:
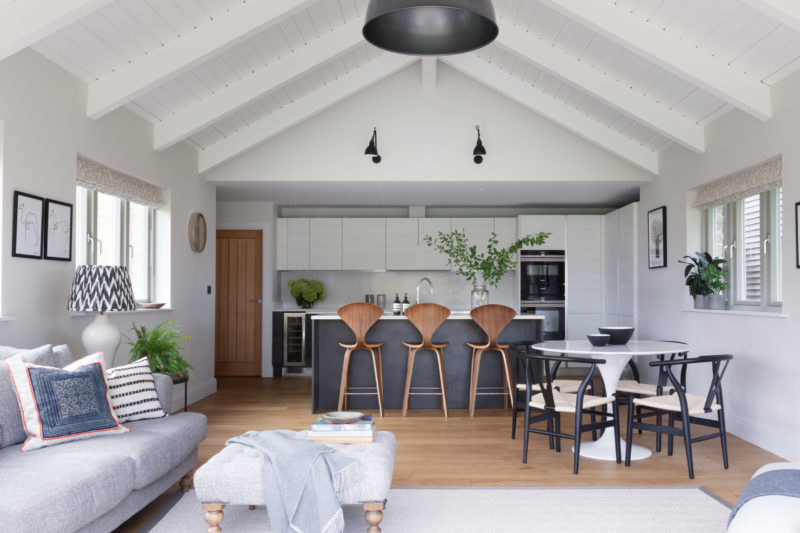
x=96 y=484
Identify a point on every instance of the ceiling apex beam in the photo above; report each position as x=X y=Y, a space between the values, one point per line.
x=309 y=105
x=428 y=67
x=229 y=100
x=554 y=110
x=180 y=55
x=23 y=23
x=784 y=11
x=582 y=76
x=670 y=53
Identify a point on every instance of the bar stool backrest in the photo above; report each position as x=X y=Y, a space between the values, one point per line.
x=492 y=319
x=427 y=318
x=360 y=316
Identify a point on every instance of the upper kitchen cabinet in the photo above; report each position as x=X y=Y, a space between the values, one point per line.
x=363 y=243
x=430 y=258
x=506 y=230
x=402 y=243
x=555 y=225
x=291 y=244
x=620 y=241
x=281 y=244
x=477 y=230
x=325 y=236
x=585 y=264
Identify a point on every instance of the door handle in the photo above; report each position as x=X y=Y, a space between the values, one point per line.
x=256 y=300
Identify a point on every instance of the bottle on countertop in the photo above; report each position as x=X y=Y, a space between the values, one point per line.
x=406 y=303
x=397 y=307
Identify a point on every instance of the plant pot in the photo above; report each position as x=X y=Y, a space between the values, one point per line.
x=716 y=301
x=478 y=296
x=701 y=301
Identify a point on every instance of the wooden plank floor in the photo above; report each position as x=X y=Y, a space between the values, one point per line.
x=463 y=451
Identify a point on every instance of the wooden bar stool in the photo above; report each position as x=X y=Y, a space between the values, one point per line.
x=426 y=318
x=360 y=317
x=492 y=319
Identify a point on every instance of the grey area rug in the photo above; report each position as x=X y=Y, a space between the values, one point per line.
x=466 y=510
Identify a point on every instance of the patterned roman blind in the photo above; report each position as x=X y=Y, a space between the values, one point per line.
x=97 y=177
x=753 y=180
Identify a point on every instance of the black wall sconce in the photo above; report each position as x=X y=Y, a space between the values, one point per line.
x=479 y=150
x=372 y=147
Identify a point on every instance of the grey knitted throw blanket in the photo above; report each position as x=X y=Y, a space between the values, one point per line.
x=302 y=481
x=785 y=482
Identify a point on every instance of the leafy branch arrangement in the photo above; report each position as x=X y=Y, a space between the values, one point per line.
x=705 y=274
x=162 y=347
x=492 y=264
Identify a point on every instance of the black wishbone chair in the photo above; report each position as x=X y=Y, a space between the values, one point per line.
x=551 y=403
x=677 y=404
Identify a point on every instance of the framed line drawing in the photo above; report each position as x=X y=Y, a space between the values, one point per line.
x=58 y=230
x=26 y=236
x=657 y=237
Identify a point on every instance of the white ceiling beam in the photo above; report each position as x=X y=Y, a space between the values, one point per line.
x=584 y=77
x=232 y=98
x=327 y=96
x=23 y=23
x=182 y=54
x=428 y=67
x=554 y=110
x=784 y=11
x=670 y=53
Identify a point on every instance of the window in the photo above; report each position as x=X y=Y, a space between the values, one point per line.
x=115 y=231
x=747 y=232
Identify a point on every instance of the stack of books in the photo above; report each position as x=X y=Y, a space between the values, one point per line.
x=333 y=432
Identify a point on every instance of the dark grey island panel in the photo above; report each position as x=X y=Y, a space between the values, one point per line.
x=327 y=358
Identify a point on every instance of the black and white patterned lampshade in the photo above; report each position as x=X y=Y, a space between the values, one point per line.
x=101 y=288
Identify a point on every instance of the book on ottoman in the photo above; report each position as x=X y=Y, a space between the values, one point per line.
x=339 y=428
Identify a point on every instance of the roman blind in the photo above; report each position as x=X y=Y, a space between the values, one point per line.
x=97 y=177
x=753 y=180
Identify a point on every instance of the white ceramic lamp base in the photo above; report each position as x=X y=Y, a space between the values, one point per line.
x=102 y=336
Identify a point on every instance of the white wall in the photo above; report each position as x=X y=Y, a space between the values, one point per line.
x=761 y=386
x=427 y=134
x=45 y=127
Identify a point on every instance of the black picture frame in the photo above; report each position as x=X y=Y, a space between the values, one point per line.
x=26 y=228
x=58 y=230
x=657 y=237
x=797 y=232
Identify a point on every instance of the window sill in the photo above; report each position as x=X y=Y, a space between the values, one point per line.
x=7 y=318
x=115 y=313
x=737 y=312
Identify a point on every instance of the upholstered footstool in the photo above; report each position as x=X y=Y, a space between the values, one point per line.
x=233 y=477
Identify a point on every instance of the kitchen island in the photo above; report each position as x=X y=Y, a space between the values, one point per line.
x=328 y=330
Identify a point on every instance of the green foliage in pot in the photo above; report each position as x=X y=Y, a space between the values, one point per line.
x=492 y=264
x=705 y=274
x=162 y=347
x=306 y=292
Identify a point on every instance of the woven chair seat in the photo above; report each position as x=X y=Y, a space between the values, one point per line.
x=631 y=386
x=670 y=402
x=566 y=402
x=563 y=385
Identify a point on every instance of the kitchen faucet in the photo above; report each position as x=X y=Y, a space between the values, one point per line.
x=419 y=283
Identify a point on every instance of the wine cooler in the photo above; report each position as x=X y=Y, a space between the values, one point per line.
x=294 y=339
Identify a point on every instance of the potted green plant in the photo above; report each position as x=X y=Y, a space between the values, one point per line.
x=162 y=347
x=707 y=279
x=306 y=292
x=492 y=264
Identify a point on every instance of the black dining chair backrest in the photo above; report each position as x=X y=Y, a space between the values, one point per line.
x=545 y=375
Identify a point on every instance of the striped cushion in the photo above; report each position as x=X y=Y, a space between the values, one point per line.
x=133 y=391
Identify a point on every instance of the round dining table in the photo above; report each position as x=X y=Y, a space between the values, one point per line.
x=616 y=356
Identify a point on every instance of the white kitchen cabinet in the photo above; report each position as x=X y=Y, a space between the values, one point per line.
x=477 y=230
x=429 y=258
x=297 y=244
x=325 y=237
x=556 y=225
x=584 y=262
x=611 y=263
x=627 y=259
x=363 y=244
x=402 y=243
x=506 y=230
x=281 y=238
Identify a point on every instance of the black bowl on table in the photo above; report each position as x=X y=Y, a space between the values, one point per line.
x=619 y=334
x=599 y=339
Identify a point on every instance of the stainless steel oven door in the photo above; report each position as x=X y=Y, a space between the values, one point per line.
x=553 y=324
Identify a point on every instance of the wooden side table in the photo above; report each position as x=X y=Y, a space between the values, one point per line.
x=177 y=380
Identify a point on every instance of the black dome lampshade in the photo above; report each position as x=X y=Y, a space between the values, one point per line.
x=372 y=147
x=420 y=27
x=479 y=150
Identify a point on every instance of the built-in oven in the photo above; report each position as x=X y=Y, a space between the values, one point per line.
x=542 y=289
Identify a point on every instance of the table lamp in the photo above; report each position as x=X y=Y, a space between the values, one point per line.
x=101 y=289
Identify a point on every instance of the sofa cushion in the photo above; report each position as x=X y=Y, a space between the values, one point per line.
x=133 y=391
x=60 y=405
x=45 y=490
x=63 y=355
x=12 y=430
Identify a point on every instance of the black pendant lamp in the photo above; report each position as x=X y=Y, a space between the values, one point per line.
x=372 y=147
x=420 y=27
x=479 y=150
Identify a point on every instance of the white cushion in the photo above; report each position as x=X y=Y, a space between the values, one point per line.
x=670 y=402
x=564 y=385
x=566 y=402
x=133 y=391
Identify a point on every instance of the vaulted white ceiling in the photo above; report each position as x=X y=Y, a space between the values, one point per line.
x=630 y=76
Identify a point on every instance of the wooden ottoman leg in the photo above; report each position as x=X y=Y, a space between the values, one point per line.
x=186 y=482
x=373 y=515
x=214 y=516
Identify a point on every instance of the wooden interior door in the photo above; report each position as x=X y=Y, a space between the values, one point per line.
x=238 y=303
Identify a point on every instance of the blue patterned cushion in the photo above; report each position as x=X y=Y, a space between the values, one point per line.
x=60 y=405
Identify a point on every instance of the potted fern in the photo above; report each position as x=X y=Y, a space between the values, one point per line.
x=162 y=347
